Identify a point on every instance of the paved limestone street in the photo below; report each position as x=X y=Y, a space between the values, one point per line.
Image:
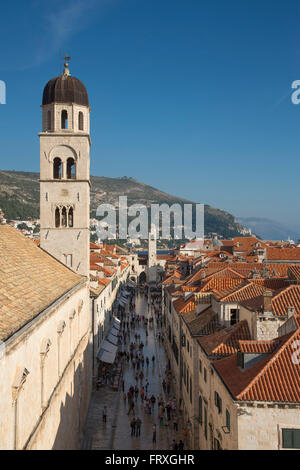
x=116 y=432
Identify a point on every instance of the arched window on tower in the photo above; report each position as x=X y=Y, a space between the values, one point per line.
x=80 y=121
x=57 y=168
x=64 y=217
x=70 y=217
x=71 y=169
x=49 y=121
x=64 y=119
x=57 y=217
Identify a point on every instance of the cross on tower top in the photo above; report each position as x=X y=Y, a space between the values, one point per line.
x=66 y=64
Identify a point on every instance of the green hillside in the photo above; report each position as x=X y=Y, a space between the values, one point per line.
x=19 y=198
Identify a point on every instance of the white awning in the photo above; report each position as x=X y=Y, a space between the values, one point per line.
x=113 y=339
x=107 y=346
x=105 y=356
x=114 y=331
x=125 y=292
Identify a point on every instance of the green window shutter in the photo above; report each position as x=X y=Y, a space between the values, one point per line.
x=296 y=438
x=287 y=438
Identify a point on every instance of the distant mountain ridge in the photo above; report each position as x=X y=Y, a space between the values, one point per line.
x=269 y=229
x=20 y=199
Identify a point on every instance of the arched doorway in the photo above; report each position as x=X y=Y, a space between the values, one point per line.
x=142 y=278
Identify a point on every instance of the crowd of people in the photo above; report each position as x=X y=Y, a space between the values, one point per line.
x=138 y=393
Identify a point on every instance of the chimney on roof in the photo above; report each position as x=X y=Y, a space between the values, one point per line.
x=290 y=312
x=267 y=302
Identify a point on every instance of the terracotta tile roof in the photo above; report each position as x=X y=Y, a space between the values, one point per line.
x=219 y=294
x=225 y=341
x=274 y=284
x=294 y=272
x=216 y=285
x=188 y=288
x=247 y=291
x=176 y=276
x=30 y=280
x=275 y=378
x=286 y=254
x=259 y=347
x=278 y=269
x=184 y=305
x=246 y=243
x=297 y=320
x=289 y=297
x=203 y=323
x=94 y=246
x=227 y=242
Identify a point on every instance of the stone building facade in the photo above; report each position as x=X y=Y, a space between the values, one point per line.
x=45 y=314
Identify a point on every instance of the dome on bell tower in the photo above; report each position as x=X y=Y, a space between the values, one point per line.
x=65 y=89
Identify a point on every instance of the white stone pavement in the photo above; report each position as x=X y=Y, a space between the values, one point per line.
x=116 y=433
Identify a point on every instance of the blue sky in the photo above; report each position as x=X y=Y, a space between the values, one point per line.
x=190 y=96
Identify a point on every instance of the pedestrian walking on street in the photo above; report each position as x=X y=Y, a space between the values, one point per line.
x=104 y=414
x=138 y=424
x=174 y=445
x=154 y=433
x=175 y=423
x=169 y=411
x=133 y=425
x=131 y=407
x=153 y=400
x=180 y=445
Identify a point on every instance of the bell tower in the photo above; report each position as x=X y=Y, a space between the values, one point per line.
x=65 y=172
x=152 y=259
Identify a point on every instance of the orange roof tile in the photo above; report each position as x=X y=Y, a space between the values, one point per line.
x=225 y=341
x=294 y=272
x=185 y=305
x=289 y=297
x=275 y=378
x=286 y=254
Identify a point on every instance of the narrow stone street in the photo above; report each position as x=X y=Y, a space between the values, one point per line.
x=116 y=432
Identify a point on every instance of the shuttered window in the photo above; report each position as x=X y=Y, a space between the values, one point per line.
x=291 y=438
x=228 y=420
x=200 y=410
